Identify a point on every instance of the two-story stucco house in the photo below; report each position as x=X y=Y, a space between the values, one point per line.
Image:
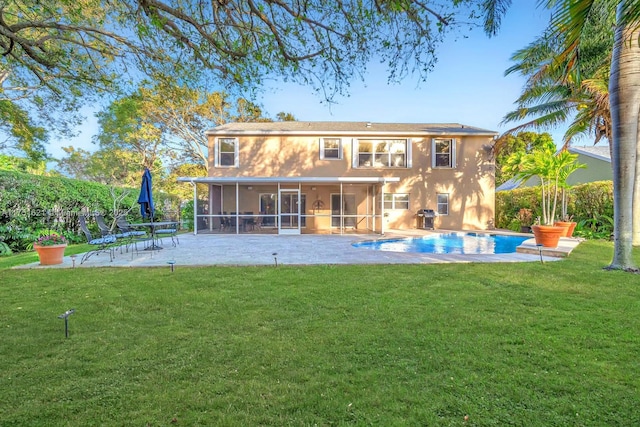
x=336 y=177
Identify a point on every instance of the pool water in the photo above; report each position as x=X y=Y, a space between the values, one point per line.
x=449 y=243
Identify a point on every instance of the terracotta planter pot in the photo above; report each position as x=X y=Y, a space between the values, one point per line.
x=570 y=225
x=547 y=235
x=50 y=255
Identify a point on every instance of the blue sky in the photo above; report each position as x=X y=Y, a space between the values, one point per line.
x=467 y=86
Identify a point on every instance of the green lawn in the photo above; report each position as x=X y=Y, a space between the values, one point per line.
x=529 y=344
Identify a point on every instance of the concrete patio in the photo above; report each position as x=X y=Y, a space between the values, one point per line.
x=306 y=249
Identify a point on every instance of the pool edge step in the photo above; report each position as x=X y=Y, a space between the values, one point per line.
x=564 y=248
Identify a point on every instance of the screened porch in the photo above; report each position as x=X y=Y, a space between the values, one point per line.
x=285 y=205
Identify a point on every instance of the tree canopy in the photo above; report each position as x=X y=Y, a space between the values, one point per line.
x=523 y=143
x=159 y=126
x=62 y=52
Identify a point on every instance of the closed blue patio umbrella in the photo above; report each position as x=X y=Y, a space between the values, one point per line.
x=145 y=199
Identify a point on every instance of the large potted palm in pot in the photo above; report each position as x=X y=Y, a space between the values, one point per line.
x=552 y=170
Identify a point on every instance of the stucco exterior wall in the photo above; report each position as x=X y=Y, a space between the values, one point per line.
x=470 y=184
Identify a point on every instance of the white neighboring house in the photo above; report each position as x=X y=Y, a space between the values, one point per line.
x=596 y=157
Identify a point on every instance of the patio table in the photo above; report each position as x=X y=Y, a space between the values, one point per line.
x=153 y=226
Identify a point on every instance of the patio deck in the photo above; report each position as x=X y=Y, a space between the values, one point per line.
x=305 y=249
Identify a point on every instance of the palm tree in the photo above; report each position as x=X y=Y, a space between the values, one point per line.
x=569 y=23
x=551 y=96
x=554 y=95
x=624 y=98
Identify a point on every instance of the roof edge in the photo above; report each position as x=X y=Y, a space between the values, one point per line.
x=289 y=179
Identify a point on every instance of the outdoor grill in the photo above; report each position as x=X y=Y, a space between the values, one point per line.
x=425 y=218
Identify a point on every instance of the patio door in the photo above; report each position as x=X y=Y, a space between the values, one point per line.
x=348 y=210
x=289 y=204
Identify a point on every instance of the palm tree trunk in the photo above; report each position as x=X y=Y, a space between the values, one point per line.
x=552 y=211
x=624 y=92
x=544 y=201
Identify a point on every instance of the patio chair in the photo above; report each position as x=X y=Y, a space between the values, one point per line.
x=258 y=222
x=102 y=244
x=248 y=221
x=131 y=236
x=124 y=227
x=105 y=230
x=225 y=222
x=170 y=231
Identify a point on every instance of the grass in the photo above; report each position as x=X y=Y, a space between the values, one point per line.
x=509 y=344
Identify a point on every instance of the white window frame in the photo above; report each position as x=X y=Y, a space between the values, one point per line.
x=356 y=153
x=323 y=151
x=217 y=153
x=444 y=204
x=452 y=153
x=395 y=201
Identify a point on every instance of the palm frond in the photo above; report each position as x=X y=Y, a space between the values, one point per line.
x=630 y=13
x=494 y=11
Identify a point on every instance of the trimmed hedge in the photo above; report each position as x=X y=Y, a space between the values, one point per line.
x=30 y=203
x=589 y=204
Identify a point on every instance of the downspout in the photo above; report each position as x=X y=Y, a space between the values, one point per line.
x=368 y=202
x=384 y=182
x=341 y=210
x=237 y=207
x=195 y=208
x=210 y=210
x=374 y=199
x=300 y=214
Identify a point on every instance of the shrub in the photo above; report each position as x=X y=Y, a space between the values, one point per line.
x=32 y=203
x=590 y=205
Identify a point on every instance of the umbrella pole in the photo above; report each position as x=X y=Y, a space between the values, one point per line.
x=154 y=246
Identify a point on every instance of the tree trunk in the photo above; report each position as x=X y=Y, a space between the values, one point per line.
x=624 y=93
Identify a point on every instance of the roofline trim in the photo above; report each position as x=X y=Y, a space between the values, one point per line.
x=289 y=180
x=213 y=132
x=589 y=154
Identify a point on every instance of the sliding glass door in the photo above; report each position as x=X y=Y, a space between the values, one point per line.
x=289 y=212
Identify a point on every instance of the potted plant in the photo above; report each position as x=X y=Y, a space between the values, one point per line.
x=552 y=169
x=569 y=225
x=50 y=248
x=525 y=219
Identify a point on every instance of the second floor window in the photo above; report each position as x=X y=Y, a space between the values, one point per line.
x=331 y=148
x=376 y=153
x=444 y=153
x=226 y=152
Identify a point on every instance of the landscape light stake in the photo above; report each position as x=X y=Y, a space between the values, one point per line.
x=540 y=250
x=275 y=257
x=65 y=316
x=171 y=263
x=73 y=261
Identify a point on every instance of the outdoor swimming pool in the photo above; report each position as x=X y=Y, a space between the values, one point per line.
x=449 y=243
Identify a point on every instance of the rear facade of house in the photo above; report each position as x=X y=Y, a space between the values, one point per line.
x=341 y=177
